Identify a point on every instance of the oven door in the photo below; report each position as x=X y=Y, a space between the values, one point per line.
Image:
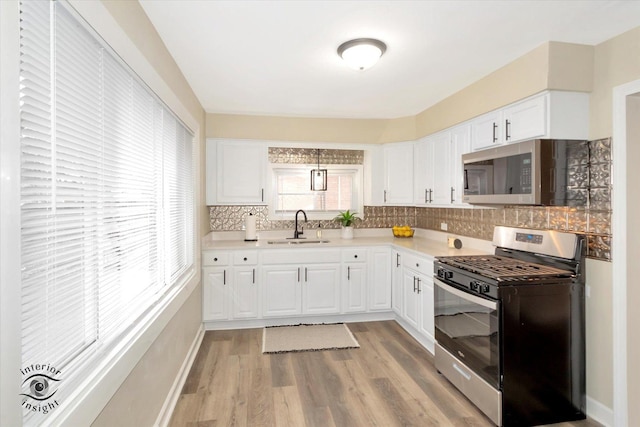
x=468 y=327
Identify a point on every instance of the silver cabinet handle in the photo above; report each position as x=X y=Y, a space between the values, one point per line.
x=224 y=277
x=452 y=198
x=385 y=196
x=348 y=273
x=298 y=274
x=461 y=372
x=419 y=290
x=495 y=127
x=426 y=195
x=430 y=195
x=414 y=283
x=254 y=276
x=397 y=260
x=262 y=194
x=507 y=124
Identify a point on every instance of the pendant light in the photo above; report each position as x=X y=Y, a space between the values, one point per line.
x=318 y=177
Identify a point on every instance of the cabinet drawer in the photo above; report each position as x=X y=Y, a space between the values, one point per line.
x=420 y=264
x=215 y=258
x=354 y=255
x=245 y=258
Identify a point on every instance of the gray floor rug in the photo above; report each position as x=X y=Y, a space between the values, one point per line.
x=282 y=339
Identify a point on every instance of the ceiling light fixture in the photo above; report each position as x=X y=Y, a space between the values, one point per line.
x=361 y=54
x=318 y=177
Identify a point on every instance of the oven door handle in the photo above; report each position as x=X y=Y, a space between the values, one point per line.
x=493 y=305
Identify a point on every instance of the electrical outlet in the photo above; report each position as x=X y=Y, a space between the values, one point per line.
x=443 y=226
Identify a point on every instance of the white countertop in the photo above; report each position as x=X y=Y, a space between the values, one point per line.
x=425 y=242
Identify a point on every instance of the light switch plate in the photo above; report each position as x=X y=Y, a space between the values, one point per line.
x=443 y=226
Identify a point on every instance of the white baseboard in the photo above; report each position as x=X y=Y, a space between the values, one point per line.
x=164 y=417
x=599 y=412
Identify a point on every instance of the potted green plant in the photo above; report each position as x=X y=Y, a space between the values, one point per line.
x=346 y=219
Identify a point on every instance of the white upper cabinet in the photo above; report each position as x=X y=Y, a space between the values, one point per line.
x=423 y=171
x=460 y=144
x=485 y=130
x=438 y=167
x=525 y=120
x=236 y=172
x=552 y=114
x=398 y=174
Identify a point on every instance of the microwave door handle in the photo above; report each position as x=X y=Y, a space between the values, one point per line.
x=493 y=305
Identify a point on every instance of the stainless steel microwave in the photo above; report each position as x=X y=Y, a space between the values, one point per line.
x=532 y=172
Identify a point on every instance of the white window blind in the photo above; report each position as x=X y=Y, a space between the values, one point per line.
x=106 y=199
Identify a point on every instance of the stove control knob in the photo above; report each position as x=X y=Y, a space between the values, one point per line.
x=485 y=289
x=444 y=274
x=474 y=286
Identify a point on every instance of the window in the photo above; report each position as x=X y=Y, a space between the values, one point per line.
x=106 y=194
x=291 y=191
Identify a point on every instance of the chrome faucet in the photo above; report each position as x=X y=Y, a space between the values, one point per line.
x=296 y=233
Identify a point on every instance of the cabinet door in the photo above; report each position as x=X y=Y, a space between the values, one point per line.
x=441 y=169
x=426 y=295
x=321 y=289
x=525 y=120
x=398 y=174
x=215 y=294
x=396 y=282
x=354 y=286
x=486 y=131
x=245 y=293
x=411 y=300
x=380 y=283
x=241 y=172
x=281 y=290
x=460 y=144
x=423 y=172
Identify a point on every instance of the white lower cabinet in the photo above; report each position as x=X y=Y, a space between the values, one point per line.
x=417 y=294
x=245 y=293
x=321 y=289
x=426 y=291
x=411 y=298
x=300 y=282
x=229 y=285
x=215 y=293
x=380 y=283
x=354 y=280
x=299 y=289
x=282 y=291
x=396 y=282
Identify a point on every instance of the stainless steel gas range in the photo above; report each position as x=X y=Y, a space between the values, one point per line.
x=510 y=327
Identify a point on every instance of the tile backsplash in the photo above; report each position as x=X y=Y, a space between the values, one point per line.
x=592 y=217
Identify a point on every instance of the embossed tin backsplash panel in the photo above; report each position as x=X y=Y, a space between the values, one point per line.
x=308 y=156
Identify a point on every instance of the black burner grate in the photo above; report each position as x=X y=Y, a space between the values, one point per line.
x=502 y=268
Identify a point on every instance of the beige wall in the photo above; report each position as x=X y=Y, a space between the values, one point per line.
x=599 y=324
x=367 y=131
x=139 y=399
x=616 y=61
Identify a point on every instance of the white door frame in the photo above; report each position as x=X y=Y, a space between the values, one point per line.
x=619 y=250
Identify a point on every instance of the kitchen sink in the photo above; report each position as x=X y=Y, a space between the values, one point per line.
x=296 y=242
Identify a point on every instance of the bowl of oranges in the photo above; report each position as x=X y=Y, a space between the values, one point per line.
x=402 y=231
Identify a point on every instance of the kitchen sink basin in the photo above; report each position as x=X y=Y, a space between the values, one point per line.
x=296 y=242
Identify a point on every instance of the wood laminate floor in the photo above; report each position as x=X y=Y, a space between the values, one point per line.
x=389 y=381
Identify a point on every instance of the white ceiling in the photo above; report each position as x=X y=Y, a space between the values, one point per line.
x=279 y=57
